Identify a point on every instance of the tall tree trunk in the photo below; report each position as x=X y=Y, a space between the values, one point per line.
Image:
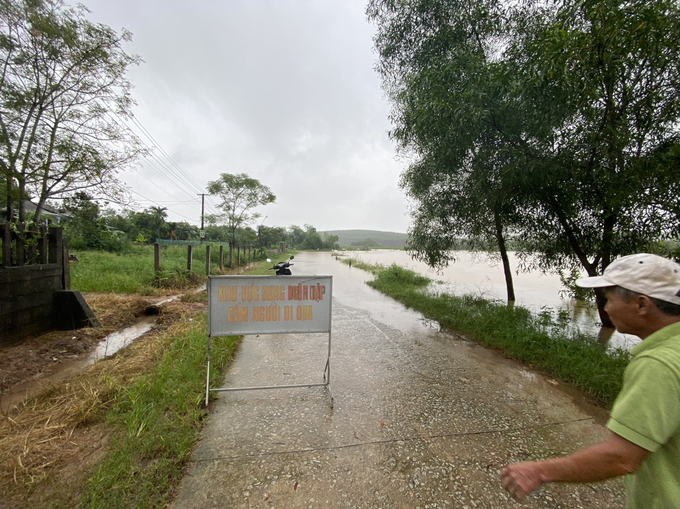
x=10 y=201
x=504 y=256
x=601 y=300
x=22 y=205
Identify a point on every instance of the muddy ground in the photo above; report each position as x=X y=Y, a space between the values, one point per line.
x=34 y=357
x=50 y=440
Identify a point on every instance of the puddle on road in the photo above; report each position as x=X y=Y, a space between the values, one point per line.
x=63 y=370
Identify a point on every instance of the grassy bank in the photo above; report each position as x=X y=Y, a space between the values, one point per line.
x=538 y=340
x=156 y=419
x=119 y=433
x=133 y=271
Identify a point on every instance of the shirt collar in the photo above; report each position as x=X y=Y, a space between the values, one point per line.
x=656 y=338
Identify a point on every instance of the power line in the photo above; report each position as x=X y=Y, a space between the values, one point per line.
x=151 y=201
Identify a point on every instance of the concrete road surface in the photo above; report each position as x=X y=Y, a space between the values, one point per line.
x=422 y=419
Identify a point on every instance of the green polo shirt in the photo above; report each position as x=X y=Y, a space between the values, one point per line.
x=647 y=413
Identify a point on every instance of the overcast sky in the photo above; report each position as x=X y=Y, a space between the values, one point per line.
x=283 y=90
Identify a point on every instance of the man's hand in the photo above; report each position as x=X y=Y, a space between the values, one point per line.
x=522 y=479
x=611 y=458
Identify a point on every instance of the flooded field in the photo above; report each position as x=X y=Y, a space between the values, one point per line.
x=474 y=273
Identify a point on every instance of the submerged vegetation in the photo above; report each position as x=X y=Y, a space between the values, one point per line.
x=540 y=340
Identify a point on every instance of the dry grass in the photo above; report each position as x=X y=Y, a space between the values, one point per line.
x=115 y=311
x=61 y=431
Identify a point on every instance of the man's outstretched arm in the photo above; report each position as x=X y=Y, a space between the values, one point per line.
x=611 y=458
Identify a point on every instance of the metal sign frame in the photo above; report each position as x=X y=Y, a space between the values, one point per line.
x=245 y=305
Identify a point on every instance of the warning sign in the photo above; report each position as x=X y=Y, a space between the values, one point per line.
x=269 y=304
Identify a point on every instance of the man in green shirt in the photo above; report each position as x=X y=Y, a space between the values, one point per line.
x=643 y=298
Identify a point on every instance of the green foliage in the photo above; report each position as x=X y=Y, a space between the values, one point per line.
x=311 y=239
x=157 y=419
x=270 y=237
x=568 y=280
x=360 y=237
x=87 y=229
x=132 y=271
x=556 y=126
x=367 y=243
x=539 y=340
x=240 y=194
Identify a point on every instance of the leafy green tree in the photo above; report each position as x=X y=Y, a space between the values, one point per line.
x=554 y=122
x=240 y=194
x=440 y=62
x=312 y=241
x=606 y=76
x=296 y=235
x=270 y=236
x=62 y=78
x=330 y=241
x=151 y=224
x=88 y=228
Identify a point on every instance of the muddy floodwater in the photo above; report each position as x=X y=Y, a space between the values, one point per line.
x=475 y=274
x=421 y=418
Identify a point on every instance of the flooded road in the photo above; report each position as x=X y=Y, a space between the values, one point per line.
x=475 y=274
x=421 y=418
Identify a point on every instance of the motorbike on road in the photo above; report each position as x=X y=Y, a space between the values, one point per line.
x=282 y=268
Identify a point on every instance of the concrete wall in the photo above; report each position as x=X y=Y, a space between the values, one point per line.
x=32 y=280
x=27 y=300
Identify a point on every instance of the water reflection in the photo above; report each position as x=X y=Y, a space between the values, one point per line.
x=475 y=274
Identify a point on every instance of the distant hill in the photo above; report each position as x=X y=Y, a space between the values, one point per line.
x=369 y=238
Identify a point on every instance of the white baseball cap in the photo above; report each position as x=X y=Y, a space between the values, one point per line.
x=648 y=274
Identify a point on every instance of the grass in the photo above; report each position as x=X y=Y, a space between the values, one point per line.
x=538 y=340
x=156 y=419
x=133 y=271
x=129 y=422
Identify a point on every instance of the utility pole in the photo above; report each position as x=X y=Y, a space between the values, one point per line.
x=202 y=234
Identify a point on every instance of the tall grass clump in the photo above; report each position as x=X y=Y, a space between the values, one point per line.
x=539 y=340
x=156 y=420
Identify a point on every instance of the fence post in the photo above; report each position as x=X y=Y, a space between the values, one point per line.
x=66 y=268
x=221 y=257
x=6 y=245
x=190 y=258
x=44 y=245
x=207 y=259
x=156 y=257
x=55 y=245
x=32 y=248
x=21 y=255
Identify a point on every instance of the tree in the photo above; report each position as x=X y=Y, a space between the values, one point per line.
x=88 y=228
x=240 y=194
x=3 y=191
x=296 y=235
x=440 y=63
x=151 y=224
x=270 y=236
x=62 y=82
x=607 y=75
x=553 y=121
